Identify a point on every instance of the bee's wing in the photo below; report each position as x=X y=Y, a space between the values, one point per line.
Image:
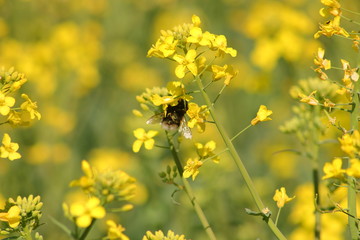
x=155 y=119
x=184 y=129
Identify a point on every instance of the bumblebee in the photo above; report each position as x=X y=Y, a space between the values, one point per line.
x=173 y=119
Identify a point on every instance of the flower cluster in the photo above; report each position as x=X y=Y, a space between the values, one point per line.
x=22 y=216
x=10 y=82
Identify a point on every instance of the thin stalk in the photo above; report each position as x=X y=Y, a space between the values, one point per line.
x=238 y=134
x=354 y=231
x=237 y=159
x=277 y=216
x=189 y=191
x=87 y=230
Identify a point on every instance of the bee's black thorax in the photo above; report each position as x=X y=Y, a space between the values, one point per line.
x=174 y=115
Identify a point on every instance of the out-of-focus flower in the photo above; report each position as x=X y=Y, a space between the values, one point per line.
x=5 y=104
x=354 y=169
x=159 y=235
x=331 y=28
x=310 y=99
x=333 y=169
x=30 y=107
x=186 y=62
x=115 y=232
x=207 y=150
x=12 y=216
x=333 y=8
x=281 y=197
x=350 y=75
x=145 y=138
x=262 y=115
x=197 y=116
x=350 y=143
x=322 y=63
x=84 y=213
x=192 y=168
x=9 y=149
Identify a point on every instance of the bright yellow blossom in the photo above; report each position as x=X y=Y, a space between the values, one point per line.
x=12 y=216
x=186 y=62
x=331 y=28
x=350 y=143
x=192 y=168
x=281 y=197
x=320 y=61
x=163 y=48
x=354 y=169
x=333 y=169
x=220 y=45
x=333 y=8
x=350 y=74
x=5 y=104
x=207 y=150
x=30 y=107
x=262 y=115
x=159 y=235
x=197 y=116
x=198 y=37
x=85 y=213
x=144 y=138
x=226 y=72
x=115 y=232
x=9 y=149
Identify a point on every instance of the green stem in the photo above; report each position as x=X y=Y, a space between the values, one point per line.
x=238 y=134
x=87 y=230
x=237 y=159
x=354 y=231
x=277 y=216
x=189 y=191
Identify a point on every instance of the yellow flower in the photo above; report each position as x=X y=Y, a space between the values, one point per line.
x=144 y=138
x=197 y=116
x=226 y=72
x=186 y=62
x=220 y=44
x=85 y=213
x=333 y=169
x=281 y=197
x=354 y=169
x=85 y=182
x=192 y=168
x=12 y=216
x=349 y=74
x=9 y=149
x=159 y=235
x=207 y=150
x=311 y=100
x=262 y=115
x=115 y=232
x=195 y=20
x=333 y=8
x=350 y=143
x=30 y=107
x=321 y=61
x=198 y=37
x=163 y=48
x=330 y=28
x=5 y=104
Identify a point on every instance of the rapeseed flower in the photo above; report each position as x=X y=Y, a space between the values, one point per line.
x=207 y=150
x=30 y=107
x=12 y=216
x=84 y=213
x=262 y=115
x=5 y=104
x=159 y=235
x=192 y=168
x=115 y=232
x=197 y=116
x=9 y=149
x=145 y=138
x=354 y=169
x=281 y=197
x=333 y=169
x=186 y=62
x=330 y=28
